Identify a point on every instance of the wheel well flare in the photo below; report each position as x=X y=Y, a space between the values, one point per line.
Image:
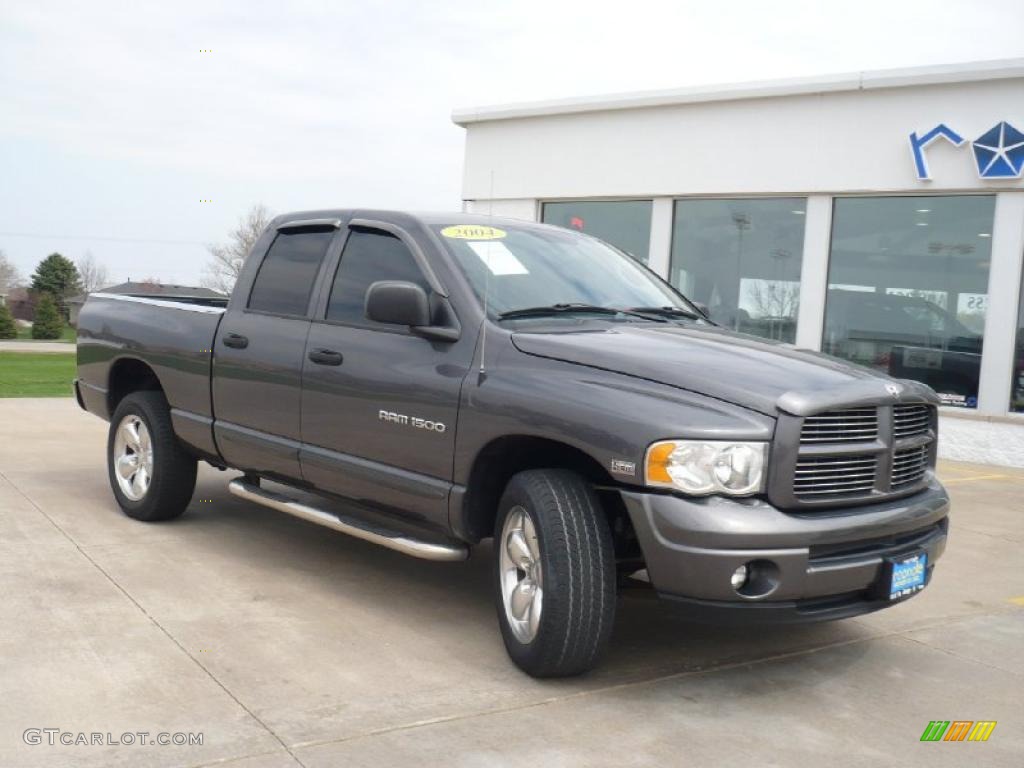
x=504 y=457
x=129 y=375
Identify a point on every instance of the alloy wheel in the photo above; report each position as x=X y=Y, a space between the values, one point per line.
x=522 y=584
x=133 y=457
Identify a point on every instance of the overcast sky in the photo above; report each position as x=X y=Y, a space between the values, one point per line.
x=114 y=125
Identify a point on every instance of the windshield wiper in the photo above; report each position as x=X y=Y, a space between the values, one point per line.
x=666 y=312
x=557 y=309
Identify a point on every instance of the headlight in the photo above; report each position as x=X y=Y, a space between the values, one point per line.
x=702 y=467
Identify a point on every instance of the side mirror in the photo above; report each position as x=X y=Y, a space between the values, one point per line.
x=397 y=302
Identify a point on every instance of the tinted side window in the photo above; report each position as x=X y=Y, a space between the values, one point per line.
x=367 y=258
x=285 y=280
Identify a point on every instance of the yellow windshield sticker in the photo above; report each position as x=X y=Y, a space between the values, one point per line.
x=473 y=232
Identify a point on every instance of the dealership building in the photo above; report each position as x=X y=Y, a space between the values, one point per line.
x=876 y=216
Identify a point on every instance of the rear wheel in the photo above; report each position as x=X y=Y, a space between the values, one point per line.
x=555 y=573
x=151 y=475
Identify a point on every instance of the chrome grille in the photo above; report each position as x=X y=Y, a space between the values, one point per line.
x=909 y=466
x=860 y=454
x=834 y=475
x=909 y=419
x=849 y=425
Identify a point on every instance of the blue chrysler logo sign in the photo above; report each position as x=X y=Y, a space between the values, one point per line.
x=998 y=153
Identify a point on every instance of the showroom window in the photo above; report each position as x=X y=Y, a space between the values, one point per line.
x=1017 y=384
x=741 y=259
x=626 y=224
x=908 y=287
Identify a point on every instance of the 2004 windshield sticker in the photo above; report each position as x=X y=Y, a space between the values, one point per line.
x=473 y=232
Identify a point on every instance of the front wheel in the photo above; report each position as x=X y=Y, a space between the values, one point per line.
x=151 y=475
x=555 y=573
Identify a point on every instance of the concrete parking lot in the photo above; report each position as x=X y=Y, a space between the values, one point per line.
x=286 y=644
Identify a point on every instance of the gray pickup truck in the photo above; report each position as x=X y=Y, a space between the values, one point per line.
x=424 y=382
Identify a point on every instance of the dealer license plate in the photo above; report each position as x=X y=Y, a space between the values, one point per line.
x=908 y=575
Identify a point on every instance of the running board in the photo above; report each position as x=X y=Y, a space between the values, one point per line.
x=450 y=551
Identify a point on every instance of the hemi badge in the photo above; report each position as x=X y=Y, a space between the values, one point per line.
x=622 y=467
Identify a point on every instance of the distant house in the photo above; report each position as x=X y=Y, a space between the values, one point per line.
x=186 y=293
x=20 y=303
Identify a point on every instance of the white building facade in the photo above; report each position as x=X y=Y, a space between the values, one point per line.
x=878 y=217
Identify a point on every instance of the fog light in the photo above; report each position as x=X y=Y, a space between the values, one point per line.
x=739 y=577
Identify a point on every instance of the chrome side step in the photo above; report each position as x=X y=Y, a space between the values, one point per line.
x=450 y=551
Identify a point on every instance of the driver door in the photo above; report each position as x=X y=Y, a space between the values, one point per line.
x=379 y=404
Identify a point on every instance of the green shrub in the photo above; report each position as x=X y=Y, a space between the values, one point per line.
x=48 y=324
x=8 y=330
x=57 y=276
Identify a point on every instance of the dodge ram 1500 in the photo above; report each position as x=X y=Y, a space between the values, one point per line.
x=428 y=381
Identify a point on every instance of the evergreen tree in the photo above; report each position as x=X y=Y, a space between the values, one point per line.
x=57 y=276
x=47 y=324
x=8 y=330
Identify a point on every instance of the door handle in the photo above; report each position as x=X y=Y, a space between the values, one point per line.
x=322 y=356
x=236 y=340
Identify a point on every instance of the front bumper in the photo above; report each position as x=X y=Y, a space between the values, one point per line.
x=824 y=564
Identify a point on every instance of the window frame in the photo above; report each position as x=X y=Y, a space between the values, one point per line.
x=323 y=298
x=803 y=198
x=1013 y=414
x=543 y=202
x=314 y=291
x=980 y=408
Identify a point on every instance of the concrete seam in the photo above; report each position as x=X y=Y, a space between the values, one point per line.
x=961 y=657
x=227 y=761
x=1000 y=536
x=647 y=681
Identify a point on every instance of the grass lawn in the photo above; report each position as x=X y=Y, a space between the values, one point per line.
x=36 y=374
x=25 y=334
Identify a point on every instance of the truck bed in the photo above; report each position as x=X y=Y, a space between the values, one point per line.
x=174 y=338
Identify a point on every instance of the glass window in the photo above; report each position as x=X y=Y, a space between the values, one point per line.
x=1017 y=385
x=907 y=288
x=741 y=258
x=285 y=280
x=369 y=256
x=626 y=224
x=530 y=266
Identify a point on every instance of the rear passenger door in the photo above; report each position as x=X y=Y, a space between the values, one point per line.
x=258 y=357
x=378 y=418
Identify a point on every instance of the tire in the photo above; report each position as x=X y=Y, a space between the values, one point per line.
x=556 y=516
x=170 y=476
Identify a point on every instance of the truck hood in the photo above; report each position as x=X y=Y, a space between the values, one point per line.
x=764 y=376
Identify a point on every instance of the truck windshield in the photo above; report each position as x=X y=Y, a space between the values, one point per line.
x=524 y=270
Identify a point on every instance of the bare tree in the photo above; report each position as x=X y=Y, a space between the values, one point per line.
x=92 y=273
x=775 y=304
x=775 y=298
x=9 y=275
x=226 y=259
